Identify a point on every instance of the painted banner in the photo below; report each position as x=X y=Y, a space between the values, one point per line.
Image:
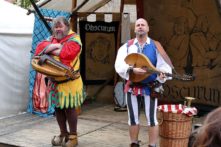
x=190 y=33
x=99 y=48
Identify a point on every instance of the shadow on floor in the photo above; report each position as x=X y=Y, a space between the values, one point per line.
x=7 y=145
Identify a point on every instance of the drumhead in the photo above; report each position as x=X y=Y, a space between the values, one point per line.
x=119 y=95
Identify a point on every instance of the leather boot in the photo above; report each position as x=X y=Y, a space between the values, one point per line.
x=71 y=142
x=57 y=140
x=134 y=145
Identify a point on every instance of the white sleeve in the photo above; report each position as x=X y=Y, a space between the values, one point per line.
x=120 y=65
x=163 y=66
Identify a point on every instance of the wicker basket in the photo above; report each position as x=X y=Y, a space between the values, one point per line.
x=174 y=129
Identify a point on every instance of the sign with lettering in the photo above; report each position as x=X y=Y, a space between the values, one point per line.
x=99 y=48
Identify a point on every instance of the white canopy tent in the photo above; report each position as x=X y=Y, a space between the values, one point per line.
x=68 y=5
x=15 y=44
x=91 y=6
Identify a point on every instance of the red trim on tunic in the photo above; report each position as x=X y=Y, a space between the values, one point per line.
x=136 y=90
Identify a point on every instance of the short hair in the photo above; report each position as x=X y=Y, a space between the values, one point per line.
x=60 y=19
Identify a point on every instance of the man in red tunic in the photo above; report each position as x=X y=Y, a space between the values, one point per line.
x=64 y=46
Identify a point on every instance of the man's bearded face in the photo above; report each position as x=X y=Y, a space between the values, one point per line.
x=60 y=31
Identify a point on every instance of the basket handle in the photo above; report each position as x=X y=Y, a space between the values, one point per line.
x=160 y=118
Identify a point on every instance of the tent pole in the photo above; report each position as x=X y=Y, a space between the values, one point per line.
x=40 y=5
x=116 y=77
x=99 y=5
x=74 y=14
x=74 y=17
x=81 y=5
x=140 y=10
x=41 y=16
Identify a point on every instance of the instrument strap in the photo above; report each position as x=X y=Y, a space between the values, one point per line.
x=163 y=53
x=72 y=68
x=66 y=80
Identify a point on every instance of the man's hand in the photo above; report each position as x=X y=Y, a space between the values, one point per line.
x=56 y=52
x=54 y=49
x=162 y=76
x=139 y=71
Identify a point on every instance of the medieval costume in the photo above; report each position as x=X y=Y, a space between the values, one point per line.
x=68 y=95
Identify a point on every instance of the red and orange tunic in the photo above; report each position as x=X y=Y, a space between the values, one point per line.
x=70 y=93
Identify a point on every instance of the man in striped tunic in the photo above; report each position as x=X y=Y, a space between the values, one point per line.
x=140 y=93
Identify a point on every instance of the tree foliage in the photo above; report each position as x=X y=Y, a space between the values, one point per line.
x=25 y=3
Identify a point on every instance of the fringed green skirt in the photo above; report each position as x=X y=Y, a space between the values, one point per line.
x=70 y=94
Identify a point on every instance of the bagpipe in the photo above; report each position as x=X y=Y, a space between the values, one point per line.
x=53 y=69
